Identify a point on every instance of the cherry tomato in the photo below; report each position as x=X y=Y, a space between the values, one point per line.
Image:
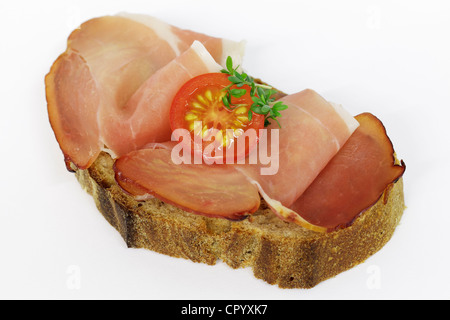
x=199 y=108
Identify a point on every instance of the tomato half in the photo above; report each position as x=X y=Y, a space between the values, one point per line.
x=223 y=132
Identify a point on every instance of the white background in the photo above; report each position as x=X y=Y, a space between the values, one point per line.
x=390 y=58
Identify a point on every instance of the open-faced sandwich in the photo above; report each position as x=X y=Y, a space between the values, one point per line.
x=187 y=155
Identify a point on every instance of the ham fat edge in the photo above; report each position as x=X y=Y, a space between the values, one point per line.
x=112 y=90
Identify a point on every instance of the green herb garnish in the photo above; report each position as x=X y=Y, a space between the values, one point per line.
x=263 y=102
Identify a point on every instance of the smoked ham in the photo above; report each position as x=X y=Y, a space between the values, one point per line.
x=107 y=60
x=209 y=190
x=180 y=39
x=312 y=132
x=145 y=117
x=354 y=179
x=73 y=102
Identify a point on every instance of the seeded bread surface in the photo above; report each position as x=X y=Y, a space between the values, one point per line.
x=279 y=252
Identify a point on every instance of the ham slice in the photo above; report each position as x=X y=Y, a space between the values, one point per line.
x=115 y=56
x=312 y=132
x=181 y=39
x=209 y=190
x=353 y=180
x=307 y=143
x=145 y=117
x=73 y=102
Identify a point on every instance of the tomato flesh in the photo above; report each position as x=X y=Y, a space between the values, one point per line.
x=198 y=107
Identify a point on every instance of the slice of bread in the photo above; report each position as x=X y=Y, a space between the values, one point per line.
x=279 y=252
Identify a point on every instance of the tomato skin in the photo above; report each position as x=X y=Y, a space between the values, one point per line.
x=200 y=99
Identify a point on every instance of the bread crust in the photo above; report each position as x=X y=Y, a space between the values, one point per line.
x=280 y=253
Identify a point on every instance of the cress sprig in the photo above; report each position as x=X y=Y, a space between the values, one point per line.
x=263 y=102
